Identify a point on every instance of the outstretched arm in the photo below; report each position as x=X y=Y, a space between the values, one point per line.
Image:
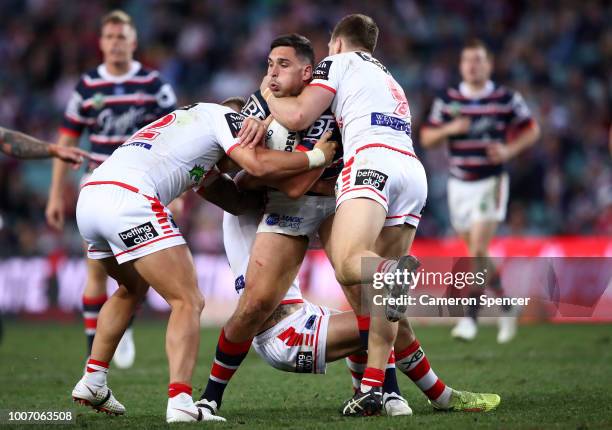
x=21 y=145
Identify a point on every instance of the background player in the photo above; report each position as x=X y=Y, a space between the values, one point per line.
x=110 y=102
x=485 y=125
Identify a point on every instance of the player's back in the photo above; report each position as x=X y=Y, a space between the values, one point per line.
x=174 y=153
x=369 y=105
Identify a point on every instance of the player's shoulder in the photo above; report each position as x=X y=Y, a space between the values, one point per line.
x=501 y=93
x=451 y=94
x=147 y=73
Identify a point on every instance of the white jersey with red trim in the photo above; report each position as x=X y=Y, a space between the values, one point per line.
x=369 y=105
x=174 y=153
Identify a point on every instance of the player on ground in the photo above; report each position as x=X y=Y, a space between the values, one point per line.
x=382 y=188
x=20 y=145
x=302 y=337
x=284 y=231
x=122 y=215
x=476 y=118
x=110 y=102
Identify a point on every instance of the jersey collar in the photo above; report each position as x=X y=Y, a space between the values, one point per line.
x=468 y=93
x=134 y=68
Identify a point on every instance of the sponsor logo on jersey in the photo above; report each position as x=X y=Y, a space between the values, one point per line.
x=392 y=122
x=234 y=122
x=371 y=178
x=97 y=101
x=197 y=173
x=322 y=70
x=370 y=59
x=254 y=107
x=138 y=144
x=310 y=322
x=285 y=221
x=304 y=362
x=239 y=283
x=137 y=235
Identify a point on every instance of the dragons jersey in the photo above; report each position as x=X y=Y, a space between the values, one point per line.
x=369 y=105
x=174 y=153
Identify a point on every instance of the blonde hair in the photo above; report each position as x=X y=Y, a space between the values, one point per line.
x=118 y=17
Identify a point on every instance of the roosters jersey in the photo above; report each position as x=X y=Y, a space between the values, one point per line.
x=492 y=112
x=174 y=153
x=111 y=108
x=256 y=106
x=370 y=107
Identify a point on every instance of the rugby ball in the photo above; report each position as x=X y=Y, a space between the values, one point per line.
x=281 y=139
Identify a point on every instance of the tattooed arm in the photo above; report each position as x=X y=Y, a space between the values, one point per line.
x=21 y=145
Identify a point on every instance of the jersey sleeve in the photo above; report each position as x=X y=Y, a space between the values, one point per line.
x=227 y=131
x=328 y=73
x=521 y=114
x=256 y=106
x=75 y=119
x=165 y=96
x=436 y=113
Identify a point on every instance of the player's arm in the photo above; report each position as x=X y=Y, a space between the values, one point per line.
x=293 y=186
x=21 y=145
x=55 y=206
x=297 y=113
x=527 y=136
x=222 y=191
x=261 y=162
x=433 y=136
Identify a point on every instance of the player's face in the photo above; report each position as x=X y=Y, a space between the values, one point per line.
x=117 y=43
x=288 y=73
x=475 y=66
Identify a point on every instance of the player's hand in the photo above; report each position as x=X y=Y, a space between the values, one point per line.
x=55 y=213
x=252 y=132
x=69 y=154
x=327 y=146
x=265 y=83
x=459 y=125
x=499 y=153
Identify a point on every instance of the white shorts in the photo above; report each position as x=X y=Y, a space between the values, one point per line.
x=295 y=217
x=238 y=237
x=395 y=179
x=116 y=220
x=297 y=343
x=474 y=201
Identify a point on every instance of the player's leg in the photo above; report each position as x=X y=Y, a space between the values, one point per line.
x=273 y=265
x=114 y=318
x=94 y=296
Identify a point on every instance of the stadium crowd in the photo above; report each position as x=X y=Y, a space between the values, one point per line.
x=557 y=54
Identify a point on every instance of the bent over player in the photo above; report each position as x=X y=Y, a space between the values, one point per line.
x=122 y=215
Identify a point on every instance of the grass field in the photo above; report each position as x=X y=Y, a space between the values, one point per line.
x=550 y=377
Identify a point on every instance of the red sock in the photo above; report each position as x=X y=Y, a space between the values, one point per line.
x=413 y=362
x=357 y=364
x=372 y=377
x=176 y=388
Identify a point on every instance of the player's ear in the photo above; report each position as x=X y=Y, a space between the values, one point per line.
x=307 y=73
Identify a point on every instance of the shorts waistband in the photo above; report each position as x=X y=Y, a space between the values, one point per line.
x=382 y=145
x=118 y=184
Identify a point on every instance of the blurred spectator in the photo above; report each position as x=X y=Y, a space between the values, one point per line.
x=558 y=54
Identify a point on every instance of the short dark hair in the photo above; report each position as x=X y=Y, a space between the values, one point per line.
x=477 y=44
x=360 y=31
x=303 y=47
x=237 y=101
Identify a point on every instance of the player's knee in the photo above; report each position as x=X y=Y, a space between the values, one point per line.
x=189 y=302
x=344 y=275
x=257 y=308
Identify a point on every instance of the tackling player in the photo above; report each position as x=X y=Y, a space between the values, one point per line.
x=122 y=215
x=110 y=102
x=290 y=220
x=476 y=118
x=382 y=189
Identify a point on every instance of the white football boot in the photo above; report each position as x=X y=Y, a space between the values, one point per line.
x=466 y=329
x=395 y=405
x=126 y=351
x=100 y=399
x=182 y=409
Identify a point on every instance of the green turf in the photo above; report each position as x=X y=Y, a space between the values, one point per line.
x=550 y=377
